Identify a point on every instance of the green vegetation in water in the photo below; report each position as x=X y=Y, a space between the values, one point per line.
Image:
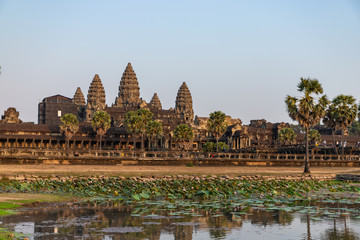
x=212 y=188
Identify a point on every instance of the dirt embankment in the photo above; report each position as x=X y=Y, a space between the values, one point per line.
x=13 y=171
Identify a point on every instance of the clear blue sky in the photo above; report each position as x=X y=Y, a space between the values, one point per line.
x=240 y=57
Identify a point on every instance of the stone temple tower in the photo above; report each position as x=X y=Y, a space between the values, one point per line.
x=79 y=98
x=95 y=98
x=183 y=105
x=129 y=91
x=155 y=103
x=80 y=103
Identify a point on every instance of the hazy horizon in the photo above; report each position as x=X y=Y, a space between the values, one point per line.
x=240 y=57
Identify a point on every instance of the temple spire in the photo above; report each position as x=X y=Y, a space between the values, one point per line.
x=129 y=91
x=155 y=102
x=184 y=105
x=79 y=98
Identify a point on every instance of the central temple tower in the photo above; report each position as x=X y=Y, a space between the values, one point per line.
x=183 y=105
x=129 y=91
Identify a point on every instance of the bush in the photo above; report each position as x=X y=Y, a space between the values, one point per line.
x=211 y=147
x=190 y=164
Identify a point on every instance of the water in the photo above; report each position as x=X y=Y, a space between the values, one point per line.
x=184 y=221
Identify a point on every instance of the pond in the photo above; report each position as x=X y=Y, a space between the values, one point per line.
x=185 y=220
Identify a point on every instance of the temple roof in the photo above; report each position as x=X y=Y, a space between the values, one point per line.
x=57 y=98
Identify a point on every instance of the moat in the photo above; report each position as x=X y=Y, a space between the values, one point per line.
x=185 y=220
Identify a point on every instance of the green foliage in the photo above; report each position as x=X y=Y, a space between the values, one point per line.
x=5 y=212
x=307 y=110
x=341 y=112
x=145 y=117
x=69 y=125
x=131 y=122
x=354 y=129
x=314 y=136
x=287 y=135
x=204 y=188
x=223 y=146
x=183 y=134
x=154 y=130
x=217 y=124
x=190 y=164
x=211 y=146
x=101 y=122
x=297 y=128
x=8 y=205
x=136 y=122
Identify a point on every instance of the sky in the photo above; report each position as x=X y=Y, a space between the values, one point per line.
x=240 y=57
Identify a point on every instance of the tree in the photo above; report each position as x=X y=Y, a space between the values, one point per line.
x=217 y=125
x=354 y=129
x=154 y=131
x=314 y=136
x=131 y=122
x=145 y=117
x=307 y=110
x=69 y=126
x=136 y=122
x=101 y=122
x=297 y=128
x=330 y=121
x=223 y=146
x=344 y=111
x=287 y=135
x=211 y=146
x=182 y=134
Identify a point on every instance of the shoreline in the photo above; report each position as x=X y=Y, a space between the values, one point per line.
x=19 y=172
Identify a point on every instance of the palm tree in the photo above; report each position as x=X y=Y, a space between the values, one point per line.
x=314 y=136
x=145 y=117
x=307 y=110
x=345 y=112
x=330 y=121
x=101 y=122
x=69 y=126
x=182 y=134
x=154 y=130
x=135 y=123
x=217 y=125
x=287 y=135
x=131 y=122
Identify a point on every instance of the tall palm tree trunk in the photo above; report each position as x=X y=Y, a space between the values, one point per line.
x=217 y=144
x=134 y=143
x=307 y=168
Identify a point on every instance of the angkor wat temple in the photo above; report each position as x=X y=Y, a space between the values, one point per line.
x=46 y=134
